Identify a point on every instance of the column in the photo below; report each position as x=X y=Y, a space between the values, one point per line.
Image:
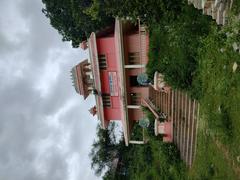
x=135 y=66
x=136 y=142
x=133 y=107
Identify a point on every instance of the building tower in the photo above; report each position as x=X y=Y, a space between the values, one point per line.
x=82 y=78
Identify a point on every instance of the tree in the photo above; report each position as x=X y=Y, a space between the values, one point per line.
x=104 y=149
x=147 y=10
x=76 y=19
x=73 y=19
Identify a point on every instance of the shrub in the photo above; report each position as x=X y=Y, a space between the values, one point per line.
x=174 y=47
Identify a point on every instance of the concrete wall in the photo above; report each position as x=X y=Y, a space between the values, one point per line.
x=106 y=46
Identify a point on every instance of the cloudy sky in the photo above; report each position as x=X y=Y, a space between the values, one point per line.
x=45 y=128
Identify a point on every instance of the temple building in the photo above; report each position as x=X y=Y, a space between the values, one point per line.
x=115 y=75
x=118 y=55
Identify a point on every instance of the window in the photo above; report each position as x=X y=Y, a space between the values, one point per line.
x=135 y=98
x=133 y=58
x=106 y=100
x=102 y=61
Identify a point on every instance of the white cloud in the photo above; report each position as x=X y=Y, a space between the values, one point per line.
x=74 y=166
x=46 y=131
x=13 y=25
x=47 y=77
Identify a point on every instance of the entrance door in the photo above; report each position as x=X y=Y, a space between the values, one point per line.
x=133 y=81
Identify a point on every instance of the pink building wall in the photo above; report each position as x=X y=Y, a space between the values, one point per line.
x=106 y=46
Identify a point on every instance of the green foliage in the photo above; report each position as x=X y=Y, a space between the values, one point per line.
x=104 y=149
x=136 y=132
x=220 y=86
x=149 y=11
x=173 y=47
x=93 y=10
x=75 y=19
x=236 y=7
x=156 y=160
x=198 y=56
x=151 y=118
x=207 y=166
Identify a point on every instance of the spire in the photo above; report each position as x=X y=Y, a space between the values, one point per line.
x=93 y=110
x=74 y=79
x=83 y=45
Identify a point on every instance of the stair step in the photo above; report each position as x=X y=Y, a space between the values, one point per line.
x=183 y=112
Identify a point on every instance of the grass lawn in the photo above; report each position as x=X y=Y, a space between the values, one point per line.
x=197 y=56
x=211 y=162
x=220 y=102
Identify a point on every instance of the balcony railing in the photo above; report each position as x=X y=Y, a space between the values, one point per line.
x=143 y=43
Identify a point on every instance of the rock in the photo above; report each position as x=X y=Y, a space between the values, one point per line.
x=238 y=159
x=235 y=46
x=222 y=50
x=235 y=65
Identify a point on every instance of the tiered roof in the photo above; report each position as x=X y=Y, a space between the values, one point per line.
x=78 y=78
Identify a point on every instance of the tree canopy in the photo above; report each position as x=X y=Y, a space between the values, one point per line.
x=104 y=149
x=76 y=19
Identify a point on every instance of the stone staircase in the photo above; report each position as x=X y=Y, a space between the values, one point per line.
x=183 y=111
x=161 y=100
x=218 y=9
x=185 y=115
x=154 y=109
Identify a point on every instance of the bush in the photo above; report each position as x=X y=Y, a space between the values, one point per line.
x=174 y=47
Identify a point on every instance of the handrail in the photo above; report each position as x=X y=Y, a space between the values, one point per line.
x=145 y=101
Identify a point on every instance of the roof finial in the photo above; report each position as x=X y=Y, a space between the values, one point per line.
x=93 y=110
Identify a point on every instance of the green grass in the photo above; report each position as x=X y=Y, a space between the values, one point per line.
x=210 y=162
x=201 y=64
x=220 y=101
